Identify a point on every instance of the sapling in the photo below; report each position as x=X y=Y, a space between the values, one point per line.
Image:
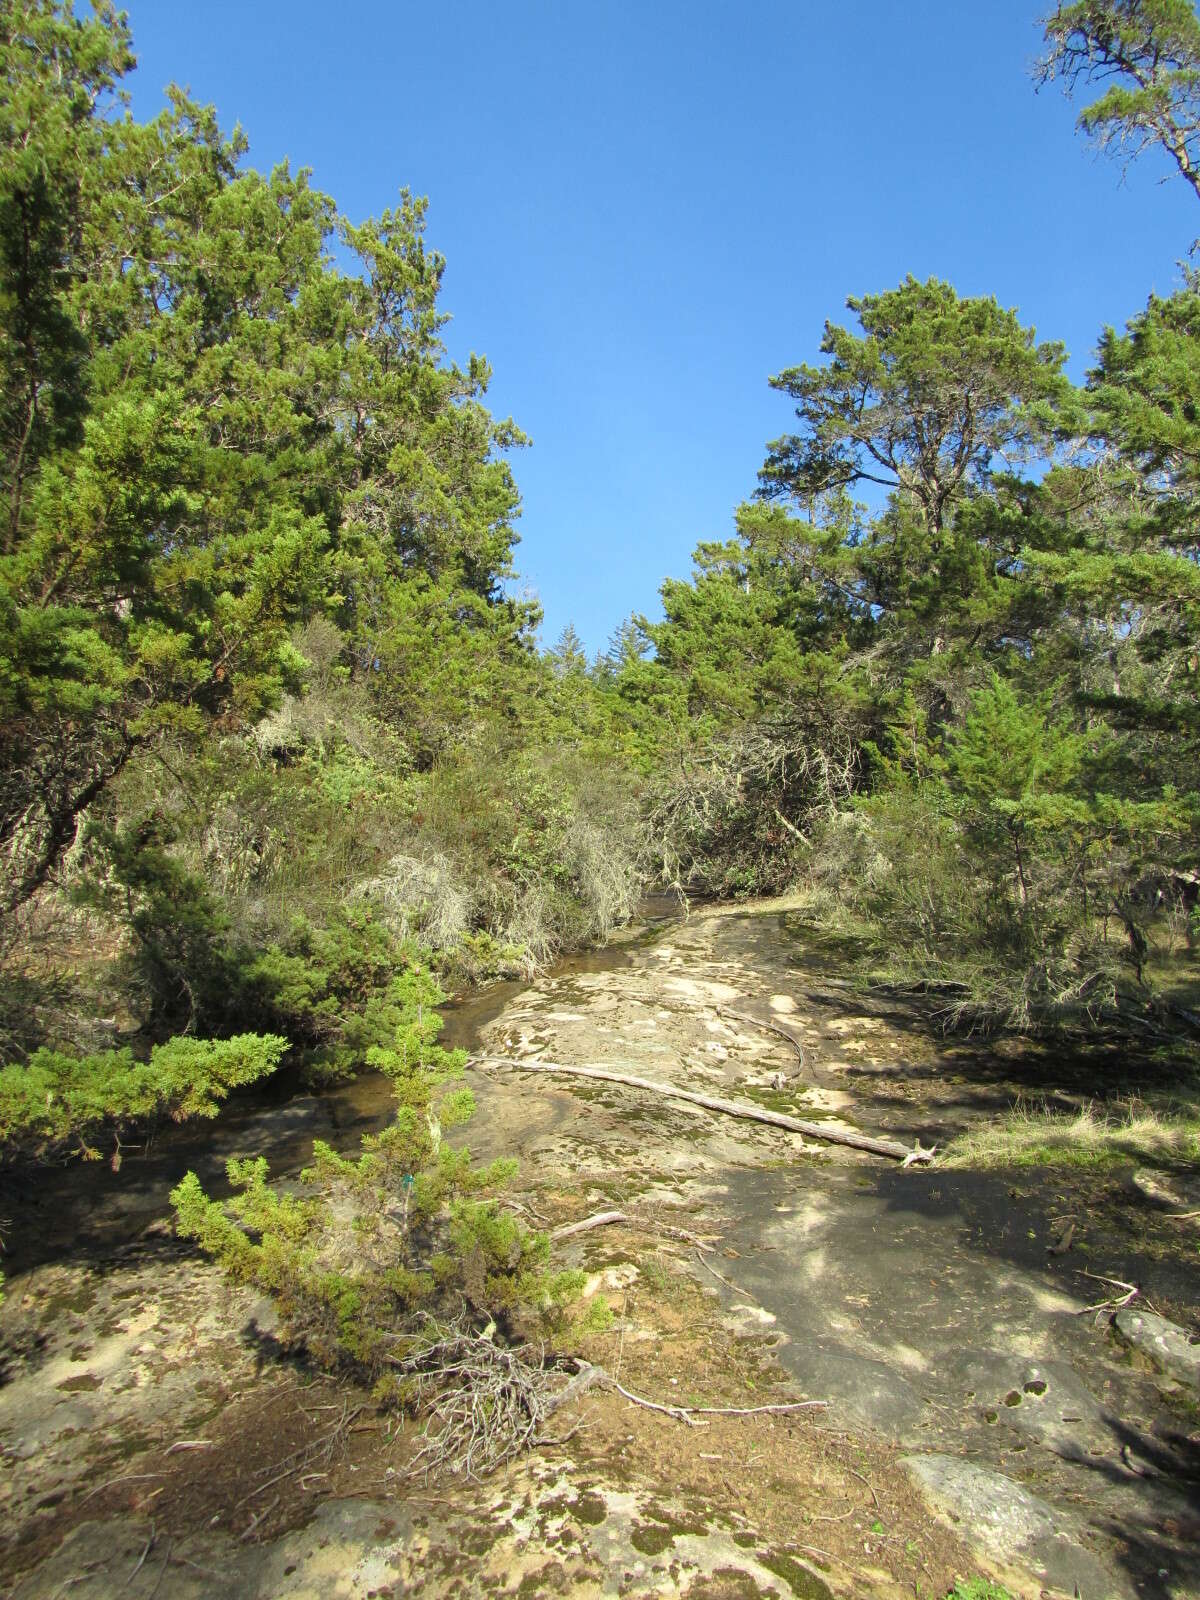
x=372 y=1256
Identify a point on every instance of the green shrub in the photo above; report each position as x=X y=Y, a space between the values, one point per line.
x=57 y=1103
x=381 y=1247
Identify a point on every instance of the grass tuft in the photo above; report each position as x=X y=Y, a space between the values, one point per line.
x=1094 y=1137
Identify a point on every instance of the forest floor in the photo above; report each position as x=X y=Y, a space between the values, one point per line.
x=979 y=1417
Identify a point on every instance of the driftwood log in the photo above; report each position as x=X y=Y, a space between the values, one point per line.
x=892 y=1148
x=605 y=1219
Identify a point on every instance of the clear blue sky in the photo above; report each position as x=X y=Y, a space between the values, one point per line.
x=649 y=206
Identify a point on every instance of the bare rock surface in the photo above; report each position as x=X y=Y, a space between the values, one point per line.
x=1012 y=1525
x=605 y=1544
x=1171 y=1349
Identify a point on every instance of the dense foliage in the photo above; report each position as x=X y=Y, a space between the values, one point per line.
x=964 y=716
x=62 y=1103
x=381 y=1244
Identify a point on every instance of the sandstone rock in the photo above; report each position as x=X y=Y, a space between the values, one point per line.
x=1172 y=1349
x=1012 y=1527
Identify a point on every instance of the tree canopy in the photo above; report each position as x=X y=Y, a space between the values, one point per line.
x=922 y=400
x=211 y=432
x=1144 y=55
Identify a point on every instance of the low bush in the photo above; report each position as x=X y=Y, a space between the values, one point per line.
x=379 y=1253
x=59 y=1104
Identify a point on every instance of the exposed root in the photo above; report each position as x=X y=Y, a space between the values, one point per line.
x=486 y=1403
x=689 y=1414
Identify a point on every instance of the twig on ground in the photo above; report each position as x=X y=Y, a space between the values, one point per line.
x=680 y=1413
x=188 y=1444
x=318 y=1449
x=603 y=1219
x=689 y=1413
x=770 y=1026
x=208 y=1572
x=161 y=1572
x=728 y=1282
x=868 y=1483
x=141 y=1560
x=811 y=1549
x=258 y=1518
x=1114 y=1302
x=558 y=1440
x=130 y=1477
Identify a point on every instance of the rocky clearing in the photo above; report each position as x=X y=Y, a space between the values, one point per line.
x=979 y=1417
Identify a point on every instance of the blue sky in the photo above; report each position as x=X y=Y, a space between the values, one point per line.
x=648 y=207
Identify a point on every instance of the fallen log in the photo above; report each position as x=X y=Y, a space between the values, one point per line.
x=604 y=1219
x=892 y=1148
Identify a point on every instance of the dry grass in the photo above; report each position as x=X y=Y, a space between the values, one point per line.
x=1095 y=1136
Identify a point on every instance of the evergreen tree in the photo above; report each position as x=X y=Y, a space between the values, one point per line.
x=921 y=402
x=1147 y=54
x=208 y=432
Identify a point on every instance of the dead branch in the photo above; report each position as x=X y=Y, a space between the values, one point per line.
x=600 y=1219
x=259 y=1517
x=868 y=1483
x=769 y=1026
x=129 y=1477
x=141 y=1561
x=728 y=1282
x=1114 y=1302
x=321 y=1449
x=892 y=1148
x=688 y=1414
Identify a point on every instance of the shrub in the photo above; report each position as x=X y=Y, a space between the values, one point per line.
x=380 y=1250
x=58 y=1103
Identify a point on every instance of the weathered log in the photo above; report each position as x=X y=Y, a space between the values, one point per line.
x=892 y=1148
x=601 y=1219
x=604 y=1219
